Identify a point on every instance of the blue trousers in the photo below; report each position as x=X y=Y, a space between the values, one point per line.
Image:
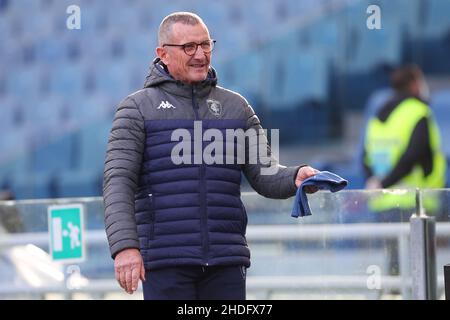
x=195 y=283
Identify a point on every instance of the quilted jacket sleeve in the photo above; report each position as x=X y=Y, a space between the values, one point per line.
x=279 y=181
x=121 y=175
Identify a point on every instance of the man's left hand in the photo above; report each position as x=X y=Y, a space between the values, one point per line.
x=303 y=174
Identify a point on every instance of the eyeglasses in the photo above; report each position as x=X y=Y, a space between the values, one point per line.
x=190 y=48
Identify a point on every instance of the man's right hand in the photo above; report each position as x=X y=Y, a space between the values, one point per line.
x=129 y=268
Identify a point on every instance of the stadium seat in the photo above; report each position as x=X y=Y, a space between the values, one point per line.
x=279 y=54
x=126 y=20
x=28 y=185
x=306 y=76
x=141 y=48
x=435 y=57
x=310 y=122
x=4 y=26
x=243 y=73
x=56 y=156
x=114 y=78
x=326 y=35
x=355 y=88
x=16 y=7
x=94 y=19
x=405 y=16
x=440 y=105
x=46 y=115
x=11 y=167
x=68 y=80
x=87 y=109
x=437 y=22
x=91 y=144
x=25 y=79
x=300 y=75
x=366 y=48
x=50 y=50
x=11 y=113
x=79 y=183
x=375 y=48
x=14 y=142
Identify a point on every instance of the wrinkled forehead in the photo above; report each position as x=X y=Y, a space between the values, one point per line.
x=183 y=33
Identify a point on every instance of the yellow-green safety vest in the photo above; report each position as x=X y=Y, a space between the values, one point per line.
x=387 y=141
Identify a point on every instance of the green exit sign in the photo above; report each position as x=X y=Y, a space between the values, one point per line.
x=66 y=231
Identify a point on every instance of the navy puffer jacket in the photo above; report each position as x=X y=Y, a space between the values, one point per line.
x=180 y=214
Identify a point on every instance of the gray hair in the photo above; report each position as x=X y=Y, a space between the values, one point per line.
x=165 y=27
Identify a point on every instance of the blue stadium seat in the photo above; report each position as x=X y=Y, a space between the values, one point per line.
x=14 y=142
x=86 y=109
x=83 y=183
x=405 y=14
x=306 y=76
x=232 y=35
x=353 y=89
x=10 y=168
x=243 y=74
x=141 y=48
x=325 y=34
x=214 y=12
x=4 y=34
x=68 y=80
x=114 y=78
x=440 y=105
x=56 y=156
x=368 y=48
x=437 y=21
x=376 y=48
x=126 y=20
x=301 y=74
x=256 y=12
x=10 y=113
x=46 y=114
x=29 y=185
x=290 y=73
x=91 y=145
x=17 y=6
x=37 y=25
x=435 y=57
x=25 y=82
x=94 y=19
x=94 y=49
x=310 y=122
x=50 y=50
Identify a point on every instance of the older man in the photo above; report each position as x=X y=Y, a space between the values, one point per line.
x=180 y=228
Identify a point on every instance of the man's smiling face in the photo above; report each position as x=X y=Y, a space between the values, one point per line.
x=188 y=69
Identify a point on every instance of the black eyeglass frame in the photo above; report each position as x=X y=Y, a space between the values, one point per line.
x=212 y=43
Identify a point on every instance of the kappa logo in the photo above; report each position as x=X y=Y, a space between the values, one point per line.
x=166 y=105
x=214 y=107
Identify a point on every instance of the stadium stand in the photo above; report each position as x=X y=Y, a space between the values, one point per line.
x=301 y=64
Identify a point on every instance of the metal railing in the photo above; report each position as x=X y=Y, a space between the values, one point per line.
x=290 y=257
x=262 y=286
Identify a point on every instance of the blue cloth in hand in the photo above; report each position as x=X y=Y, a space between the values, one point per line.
x=323 y=180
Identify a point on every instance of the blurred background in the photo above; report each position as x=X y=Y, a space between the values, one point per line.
x=309 y=68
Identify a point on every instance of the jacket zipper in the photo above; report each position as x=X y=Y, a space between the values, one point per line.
x=202 y=188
